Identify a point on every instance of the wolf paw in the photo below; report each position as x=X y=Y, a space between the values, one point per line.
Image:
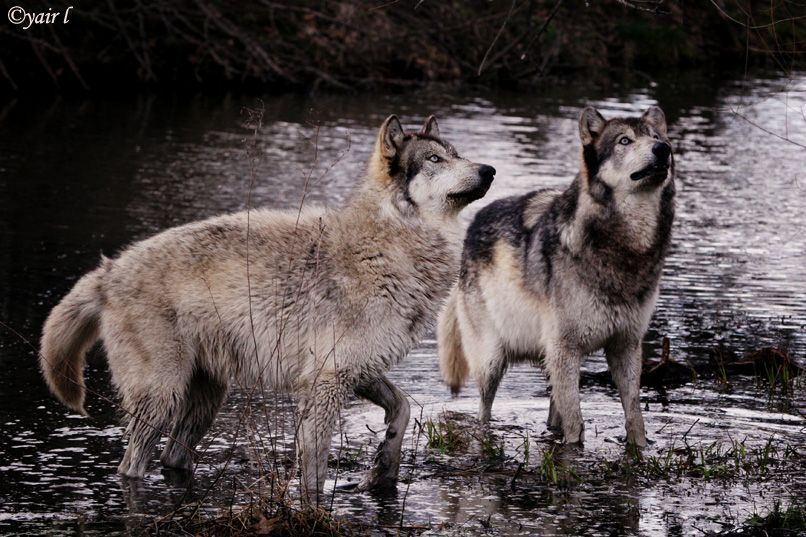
x=178 y=462
x=641 y=443
x=370 y=484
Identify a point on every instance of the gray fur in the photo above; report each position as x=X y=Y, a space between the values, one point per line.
x=552 y=276
x=321 y=303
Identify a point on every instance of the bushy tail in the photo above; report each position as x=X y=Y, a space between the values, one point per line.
x=69 y=332
x=452 y=361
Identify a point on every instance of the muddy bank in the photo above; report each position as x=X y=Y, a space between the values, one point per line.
x=714 y=463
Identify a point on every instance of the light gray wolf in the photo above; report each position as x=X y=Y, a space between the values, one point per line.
x=321 y=303
x=551 y=276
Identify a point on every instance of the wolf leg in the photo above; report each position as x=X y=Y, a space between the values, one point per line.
x=151 y=411
x=148 y=367
x=563 y=370
x=554 y=422
x=624 y=361
x=387 y=459
x=318 y=412
x=201 y=403
x=488 y=377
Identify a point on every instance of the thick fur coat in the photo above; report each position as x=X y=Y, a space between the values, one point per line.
x=320 y=303
x=552 y=276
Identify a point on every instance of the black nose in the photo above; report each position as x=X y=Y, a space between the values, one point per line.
x=662 y=150
x=486 y=172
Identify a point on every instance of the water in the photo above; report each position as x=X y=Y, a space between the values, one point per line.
x=82 y=177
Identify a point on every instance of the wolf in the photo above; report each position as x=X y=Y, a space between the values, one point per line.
x=551 y=276
x=319 y=303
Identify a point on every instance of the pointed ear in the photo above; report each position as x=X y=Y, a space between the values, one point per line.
x=431 y=128
x=391 y=136
x=655 y=117
x=591 y=124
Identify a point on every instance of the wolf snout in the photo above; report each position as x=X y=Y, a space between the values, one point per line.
x=662 y=150
x=487 y=173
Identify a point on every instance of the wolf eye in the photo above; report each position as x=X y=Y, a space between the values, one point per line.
x=655 y=136
x=624 y=141
x=435 y=158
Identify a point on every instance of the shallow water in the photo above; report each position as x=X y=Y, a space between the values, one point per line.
x=81 y=177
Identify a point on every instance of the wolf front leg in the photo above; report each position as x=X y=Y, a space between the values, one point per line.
x=562 y=366
x=624 y=361
x=318 y=413
x=387 y=459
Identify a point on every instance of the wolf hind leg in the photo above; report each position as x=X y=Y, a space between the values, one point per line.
x=624 y=362
x=563 y=370
x=151 y=372
x=387 y=458
x=150 y=412
x=203 y=398
x=488 y=375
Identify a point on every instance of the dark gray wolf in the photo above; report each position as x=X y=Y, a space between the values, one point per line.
x=552 y=276
x=320 y=303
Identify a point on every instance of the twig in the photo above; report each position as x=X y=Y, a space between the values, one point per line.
x=767 y=131
x=685 y=435
x=500 y=31
x=68 y=59
x=7 y=75
x=633 y=4
x=772 y=23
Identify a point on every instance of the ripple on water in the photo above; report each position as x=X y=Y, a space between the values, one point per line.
x=734 y=280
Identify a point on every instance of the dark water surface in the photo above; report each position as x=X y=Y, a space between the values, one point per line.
x=82 y=177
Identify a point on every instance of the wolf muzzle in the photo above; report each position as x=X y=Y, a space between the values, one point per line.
x=486 y=176
x=659 y=169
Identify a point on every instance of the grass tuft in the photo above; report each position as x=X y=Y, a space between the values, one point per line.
x=263 y=517
x=778 y=522
x=444 y=436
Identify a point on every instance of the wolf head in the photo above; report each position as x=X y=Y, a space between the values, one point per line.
x=423 y=173
x=625 y=156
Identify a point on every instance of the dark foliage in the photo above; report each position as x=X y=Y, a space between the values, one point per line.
x=285 y=44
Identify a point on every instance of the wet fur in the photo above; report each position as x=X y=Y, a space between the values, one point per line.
x=552 y=276
x=326 y=304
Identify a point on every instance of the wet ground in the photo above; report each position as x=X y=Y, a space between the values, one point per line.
x=81 y=177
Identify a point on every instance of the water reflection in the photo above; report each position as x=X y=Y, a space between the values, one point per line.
x=82 y=177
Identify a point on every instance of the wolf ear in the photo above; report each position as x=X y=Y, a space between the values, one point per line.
x=391 y=136
x=431 y=128
x=591 y=124
x=655 y=117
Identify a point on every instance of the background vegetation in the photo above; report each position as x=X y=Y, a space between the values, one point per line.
x=304 y=45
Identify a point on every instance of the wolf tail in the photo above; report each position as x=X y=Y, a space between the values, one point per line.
x=70 y=330
x=452 y=360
